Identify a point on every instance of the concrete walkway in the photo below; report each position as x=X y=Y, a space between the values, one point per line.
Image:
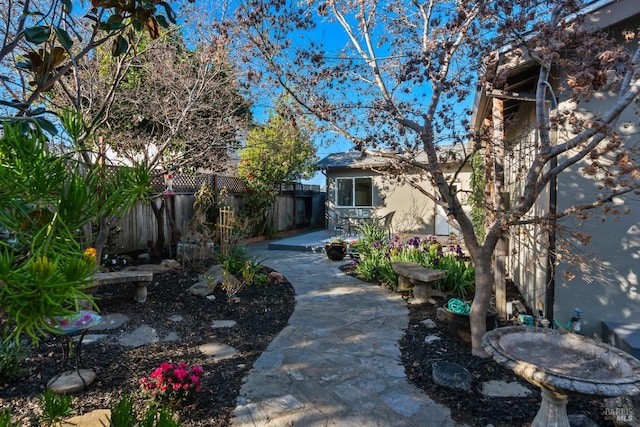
x=337 y=362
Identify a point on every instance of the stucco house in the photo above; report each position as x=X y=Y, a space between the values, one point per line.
x=358 y=189
x=606 y=288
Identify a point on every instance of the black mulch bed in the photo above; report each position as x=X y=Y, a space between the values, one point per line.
x=261 y=312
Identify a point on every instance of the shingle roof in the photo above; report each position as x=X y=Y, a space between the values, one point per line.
x=350 y=159
x=358 y=160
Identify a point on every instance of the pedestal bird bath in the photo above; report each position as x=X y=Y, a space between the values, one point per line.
x=563 y=365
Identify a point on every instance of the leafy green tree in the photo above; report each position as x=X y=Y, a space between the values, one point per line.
x=277 y=152
x=48 y=195
x=43 y=265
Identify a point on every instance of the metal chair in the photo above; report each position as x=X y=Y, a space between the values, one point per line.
x=385 y=222
x=338 y=226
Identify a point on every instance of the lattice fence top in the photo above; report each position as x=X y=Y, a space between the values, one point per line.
x=190 y=184
x=233 y=184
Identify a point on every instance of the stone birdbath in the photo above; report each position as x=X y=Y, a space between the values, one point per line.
x=563 y=365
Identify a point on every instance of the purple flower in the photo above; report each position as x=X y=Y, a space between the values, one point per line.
x=414 y=241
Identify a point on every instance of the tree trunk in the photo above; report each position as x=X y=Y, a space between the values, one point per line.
x=158 y=213
x=103 y=235
x=481 y=300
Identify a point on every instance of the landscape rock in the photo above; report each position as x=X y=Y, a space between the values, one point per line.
x=96 y=418
x=171 y=263
x=451 y=375
x=202 y=289
x=581 y=420
x=275 y=277
x=496 y=388
x=431 y=339
x=176 y=318
x=215 y=274
x=429 y=324
x=209 y=280
x=71 y=381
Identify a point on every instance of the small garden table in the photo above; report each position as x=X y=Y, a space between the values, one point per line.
x=73 y=328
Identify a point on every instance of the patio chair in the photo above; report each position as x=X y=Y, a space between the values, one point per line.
x=338 y=225
x=385 y=222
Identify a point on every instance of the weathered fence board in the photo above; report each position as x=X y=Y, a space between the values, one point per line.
x=138 y=227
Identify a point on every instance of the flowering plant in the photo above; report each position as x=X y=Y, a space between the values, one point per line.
x=172 y=383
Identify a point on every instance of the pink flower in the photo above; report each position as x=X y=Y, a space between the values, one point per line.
x=180 y=373
x=172 y=383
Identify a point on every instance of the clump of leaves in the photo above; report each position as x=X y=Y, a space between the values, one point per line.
x=124 y=414
x=234 y=262
x=12 y=357
x=376 y=257
x=6 y=419
x=246 y=270
x=55 y=408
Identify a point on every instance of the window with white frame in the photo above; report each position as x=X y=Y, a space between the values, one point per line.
x=354 y=192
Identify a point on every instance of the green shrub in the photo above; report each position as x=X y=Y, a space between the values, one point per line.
x=122 y=412
x=12 y=357
x=235 y=261
x=54 y=407
x=6 y=420
x=376 y=257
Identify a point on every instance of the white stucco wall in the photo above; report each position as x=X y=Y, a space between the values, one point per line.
x=604 y=273
x=605 y=285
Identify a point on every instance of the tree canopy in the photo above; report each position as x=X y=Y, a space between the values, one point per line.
x=277 y=152
x=397 y=80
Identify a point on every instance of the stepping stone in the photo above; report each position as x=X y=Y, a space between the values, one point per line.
x=110 y=321
x=176 y=318
x=581 y=420
x=96 y=418
x=223 y=324
x=451 y=375
x=71 y=381
x=142 y=335
x=171 y=336
x=496 y=388
x=218 y=351
x=93 y=338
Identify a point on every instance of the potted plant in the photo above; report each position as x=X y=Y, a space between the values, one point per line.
x=336 y=249
x=456 y=314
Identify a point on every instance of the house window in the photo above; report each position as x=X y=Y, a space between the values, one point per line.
x=354 y=192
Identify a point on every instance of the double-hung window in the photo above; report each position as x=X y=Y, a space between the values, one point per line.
x=354 y=192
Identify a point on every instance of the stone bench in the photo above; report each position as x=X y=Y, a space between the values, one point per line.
x=139 y=278
x=416 y=277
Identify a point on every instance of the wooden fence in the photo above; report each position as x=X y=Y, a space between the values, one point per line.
x=297 y=206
